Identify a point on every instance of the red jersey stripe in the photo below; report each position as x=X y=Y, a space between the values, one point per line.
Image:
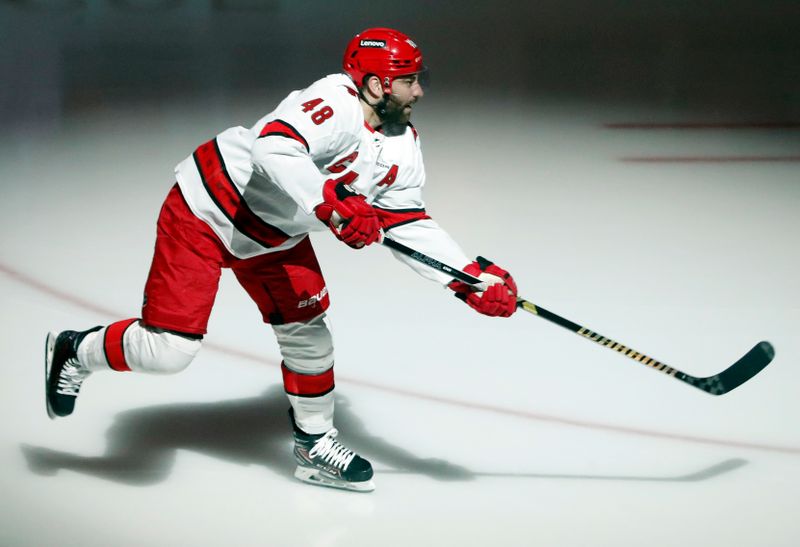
x=393 y=218
x=307 y=385
x=282 y=129
x=223 y=191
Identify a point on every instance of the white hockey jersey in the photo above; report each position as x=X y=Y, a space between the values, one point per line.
x=257 y=188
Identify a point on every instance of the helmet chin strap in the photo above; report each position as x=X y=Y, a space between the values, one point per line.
x=381 y=107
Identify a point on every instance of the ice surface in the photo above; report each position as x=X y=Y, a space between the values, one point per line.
x=482 y=431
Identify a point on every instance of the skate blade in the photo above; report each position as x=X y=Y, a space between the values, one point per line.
x=49 y=347
x=314 y=476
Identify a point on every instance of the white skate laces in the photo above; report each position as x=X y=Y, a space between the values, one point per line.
x=71 y=377
x=329 y=449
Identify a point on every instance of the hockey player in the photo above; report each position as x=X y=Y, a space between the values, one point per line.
x=338 y=155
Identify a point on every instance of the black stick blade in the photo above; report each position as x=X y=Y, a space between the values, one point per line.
x=735 y=375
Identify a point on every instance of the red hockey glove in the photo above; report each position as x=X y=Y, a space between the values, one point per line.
x=499 y=300
x=348 y=215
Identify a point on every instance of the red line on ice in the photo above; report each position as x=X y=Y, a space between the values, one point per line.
x=710 y=159
x=469 y=405
x=704 y=125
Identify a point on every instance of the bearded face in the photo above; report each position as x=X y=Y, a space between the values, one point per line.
x=395 y=111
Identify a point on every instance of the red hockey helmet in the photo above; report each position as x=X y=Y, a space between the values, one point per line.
x=384 y=52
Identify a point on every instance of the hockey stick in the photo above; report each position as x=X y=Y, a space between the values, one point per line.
x=732 y=377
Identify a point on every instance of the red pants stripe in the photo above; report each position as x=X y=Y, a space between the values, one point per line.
x=307 y=385
x=113 y=347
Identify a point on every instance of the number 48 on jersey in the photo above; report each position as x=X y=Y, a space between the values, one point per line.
x=317 y=116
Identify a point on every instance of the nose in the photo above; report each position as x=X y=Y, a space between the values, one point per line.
x=417 y=91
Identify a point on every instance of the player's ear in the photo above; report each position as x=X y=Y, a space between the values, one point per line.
x=373 y=86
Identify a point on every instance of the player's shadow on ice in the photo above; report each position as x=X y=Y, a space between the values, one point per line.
x=141 y=444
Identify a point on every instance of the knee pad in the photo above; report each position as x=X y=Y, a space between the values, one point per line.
x=306 y=346
x=158 y=351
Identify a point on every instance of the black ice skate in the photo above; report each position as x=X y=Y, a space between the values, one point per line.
x=323 y=461
x=62 y=372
